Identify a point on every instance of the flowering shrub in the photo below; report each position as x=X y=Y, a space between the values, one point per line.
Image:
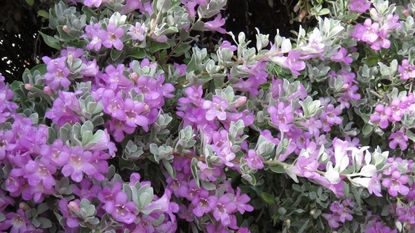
x=134 y=126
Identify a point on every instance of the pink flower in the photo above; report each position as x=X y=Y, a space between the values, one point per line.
x=398 y=138
x=113 y=37
x=91 y=3
x=79 y=163
x=216 y=24
x=96 y=36
x=121 y=209
x=254 y=161
x=137 y=32
x=396 y=184
x=224 y=209
x=406 y=70
x=360 y=6
x=281 y=116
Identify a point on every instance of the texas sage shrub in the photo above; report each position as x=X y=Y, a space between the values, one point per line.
x=138 y=125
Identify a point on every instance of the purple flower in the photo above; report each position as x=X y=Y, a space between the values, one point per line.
x=241 y=202
x=340 y=213
x=360 y=6
x=179 y=185
x=79 y=163
x=134 y=114
x=406 y=70
x=143 y=7
x=379 y=116
x=203 y=203
x=254 y=161
x=65 y=109
x=374 y=186
x=113 y=37
x=90 y=69
x=137 y=32
x=294 y=62
x=223 y=147
x=398 y=138
x=224 y=209
x=90 y=3
x=37 y=172
x=208 y=173
x=115 y=79
x=215 y=108
x=121 y=209
x=56 y=154
x=7 y=107
x=17 y=223
x=379 y=227
x=118 y=129
x=396 y=184
x=96 y=36
x=180 y=69
x=216 y=24
x=57 y=73
x=257 y=76
x=281 y=116
x=341 y=56
x=69 y=211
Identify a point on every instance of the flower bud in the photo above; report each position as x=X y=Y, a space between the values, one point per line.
x=134 y=76
x=73 y=206
x=240 y=101
x=47 y=90
x=66 y=29
x=24 y=206
x=28 y=86
x=406 y=12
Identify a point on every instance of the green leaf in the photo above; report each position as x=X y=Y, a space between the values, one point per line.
x=115 y=54
x=145 y=196
x=268 y=198
x=137 y=53
x=30 y=2
x=43 y=14
x=44 y=222
x=155 y=47
x=40 y=67
x=51 y=41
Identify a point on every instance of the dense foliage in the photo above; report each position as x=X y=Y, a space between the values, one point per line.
x=136 y=126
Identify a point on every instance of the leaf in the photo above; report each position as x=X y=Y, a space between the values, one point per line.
x=43 y=14
x=155 y=47
x=50 y=41
x=40 y=67
x=145 y=196
x=137 y=53
x=30 y=2
x=268 y=198
x=115 y=54
x=44 y=222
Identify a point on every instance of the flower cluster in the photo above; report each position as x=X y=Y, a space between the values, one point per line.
x=221 y=202
x=376 y=33
x=132 y=100
x=340 y=213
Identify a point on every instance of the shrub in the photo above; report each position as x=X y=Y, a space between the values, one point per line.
x=133 y=126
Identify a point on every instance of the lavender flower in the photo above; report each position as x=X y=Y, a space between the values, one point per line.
x=79 y=163
x=406 y=70
x=216 y=24
x=113 y=37
x=360 y=6
x=137 y=32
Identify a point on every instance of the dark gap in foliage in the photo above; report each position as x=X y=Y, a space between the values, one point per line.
x=21 y=47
